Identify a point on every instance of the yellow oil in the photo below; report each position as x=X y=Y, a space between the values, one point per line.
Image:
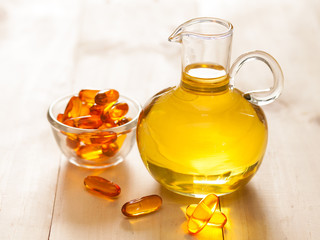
x=202 y=136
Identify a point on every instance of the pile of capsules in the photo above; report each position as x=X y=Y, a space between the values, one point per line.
x=200 y=215
x=95 y=109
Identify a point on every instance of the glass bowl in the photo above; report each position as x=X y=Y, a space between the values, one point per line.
x=80 y=145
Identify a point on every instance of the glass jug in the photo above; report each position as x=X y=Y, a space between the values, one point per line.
x=204 y=135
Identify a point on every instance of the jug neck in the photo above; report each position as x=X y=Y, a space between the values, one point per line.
x=205 y=53
x=205 y=78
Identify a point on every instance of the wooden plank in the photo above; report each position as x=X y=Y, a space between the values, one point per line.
x=129 y=55
x=31 y=68
x=82 y=215
x=281 y=201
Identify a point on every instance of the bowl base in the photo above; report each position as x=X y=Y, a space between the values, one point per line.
x=95 y=165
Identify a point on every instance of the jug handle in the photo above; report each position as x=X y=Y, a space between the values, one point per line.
x=260 y=97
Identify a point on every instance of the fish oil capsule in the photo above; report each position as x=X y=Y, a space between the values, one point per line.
x=118 y=111
x=103 y=138
x=218 y=219
x=85 y=138
x=85 y=109
x=88 y=95
x=142 y=206
x=72 y=142
x=106 y=118
x=88 y=122
x=90 y=152
x=73 y=108
x=70 y=122
x=105 y=114
x=60 y=117
x=110 y=149
x=106 y=96
x=107 y=125
x=102 y=186
x=202 y=213
x=96 y=109
x=123 y=121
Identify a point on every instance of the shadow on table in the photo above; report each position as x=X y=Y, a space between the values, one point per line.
x=243 y=209
x=78 y=206
x=245 y=214
x=169 y=222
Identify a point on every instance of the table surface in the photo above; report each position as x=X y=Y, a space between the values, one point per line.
x=54 y=47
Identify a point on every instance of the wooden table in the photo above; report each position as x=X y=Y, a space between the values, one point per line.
x=54 y=47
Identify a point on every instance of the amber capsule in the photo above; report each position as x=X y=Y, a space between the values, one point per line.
x=202 y=213
x=60 y=117
x=70 y=135
x=70 y=122
x=88 y=95
x=103 y=137
x=102 y=186
x=107 y=125
x=88 y=122
x=85 y=138
x=118 y=111
x=105 y=114
x=96 y=109
x=123 y=121
x=110 y=149
x=141 y=206
x=105 y=118
x=106 y=96
x=73 y=108
x=72 y=143
x=85 y=109
x=218 y=219
x=90 y=152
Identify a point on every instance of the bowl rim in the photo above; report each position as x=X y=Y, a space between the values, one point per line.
x=62 y=127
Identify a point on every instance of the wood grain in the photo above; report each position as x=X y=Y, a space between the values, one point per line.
x=52 y=48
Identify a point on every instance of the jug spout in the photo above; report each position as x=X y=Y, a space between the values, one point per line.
x=176 y=35
x=204 y=27
x=204 y=40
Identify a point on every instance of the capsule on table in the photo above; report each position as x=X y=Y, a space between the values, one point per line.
x=142 y=206
x=102 y=186
x=202 y=213
x=88 y=95
x=106 y=96
x=103 y=137
x=118 y=111
x=218 y=218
